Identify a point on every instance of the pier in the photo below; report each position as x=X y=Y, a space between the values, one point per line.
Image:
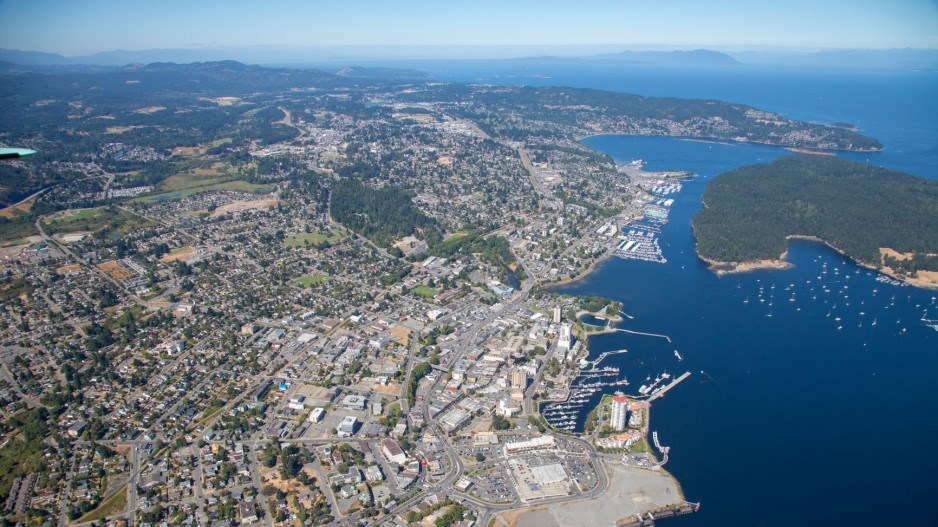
x=605 y=354
x=643 y=333
x=669 y=386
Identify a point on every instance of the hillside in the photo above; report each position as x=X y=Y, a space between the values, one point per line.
x=857 y=208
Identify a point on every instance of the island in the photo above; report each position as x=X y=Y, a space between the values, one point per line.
x=881 y=218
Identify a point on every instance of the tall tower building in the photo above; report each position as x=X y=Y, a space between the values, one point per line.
x=620 y=412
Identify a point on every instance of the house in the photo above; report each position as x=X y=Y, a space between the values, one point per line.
x=248 y=512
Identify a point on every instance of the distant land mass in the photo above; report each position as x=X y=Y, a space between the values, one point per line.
x=694 y=58
x=914 y=59
x=905 y=59
x=880 y=218
x=166 y=105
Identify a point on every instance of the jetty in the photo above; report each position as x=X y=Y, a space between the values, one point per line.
x=643 y=333
x=672 y=384
x=648 y=519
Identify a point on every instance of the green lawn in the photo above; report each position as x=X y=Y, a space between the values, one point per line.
x=19 y=458
x=312 y=279
x=14 y=243
x=315 y=239
x=424 y=291
x=78 y=215
x=112 y=220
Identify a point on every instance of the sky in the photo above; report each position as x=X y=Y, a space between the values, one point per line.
x=81 y=27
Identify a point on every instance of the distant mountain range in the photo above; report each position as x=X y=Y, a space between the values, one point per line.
x=908 y=59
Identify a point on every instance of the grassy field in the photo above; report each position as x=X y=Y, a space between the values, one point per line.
x=13 y=243
x=315 y=239
x=237 y=185
x=424 y=291
x=114 y=504
x=312 y=279
x=78 y=215
x=112 y=220
x=18 y=458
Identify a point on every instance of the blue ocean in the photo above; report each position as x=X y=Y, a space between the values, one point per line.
x=812 y=393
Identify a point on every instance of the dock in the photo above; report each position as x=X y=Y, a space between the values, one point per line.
x=669 y=386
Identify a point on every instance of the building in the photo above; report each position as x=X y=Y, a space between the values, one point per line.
x=393 y=452
x=454 y=420
x=620 y=412
x=76 y=429
x=543 y=442
x=519 y=379
x=248 y=512
x=565 y=339
x=484 y=439
x=316 y=414
x=297 y=403
x=373 y=473
x=348 y=426
x=354 y=402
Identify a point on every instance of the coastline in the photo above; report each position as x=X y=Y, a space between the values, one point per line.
x=727 y=268
x=734 y=142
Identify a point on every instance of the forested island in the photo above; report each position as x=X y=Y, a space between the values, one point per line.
x=880 y=218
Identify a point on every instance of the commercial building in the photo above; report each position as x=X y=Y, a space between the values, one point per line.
x=316 y=414
x=348 y=426
x=543 y=442
x=354 y=402
x=393 y=452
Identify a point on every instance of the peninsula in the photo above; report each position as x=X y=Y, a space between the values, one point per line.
x=881 y=218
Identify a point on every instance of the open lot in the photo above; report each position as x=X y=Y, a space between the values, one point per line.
x=114 y=270
x=631 y=491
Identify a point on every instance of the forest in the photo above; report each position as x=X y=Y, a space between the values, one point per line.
x=858 y=208
x=382 y=215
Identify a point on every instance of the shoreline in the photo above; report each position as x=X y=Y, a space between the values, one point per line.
x=734 y=142
x=727 y=268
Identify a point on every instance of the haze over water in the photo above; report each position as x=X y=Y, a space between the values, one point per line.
x=793 y=421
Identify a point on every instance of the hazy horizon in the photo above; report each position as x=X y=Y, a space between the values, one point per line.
x=80 y=29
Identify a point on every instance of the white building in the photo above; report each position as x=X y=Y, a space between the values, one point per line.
x=393 y=452
x=354 y=402
x=297 y=403
x=537 y=443
x=620 y=412
x=565 y=339
x=316 y=415
x=347 y=427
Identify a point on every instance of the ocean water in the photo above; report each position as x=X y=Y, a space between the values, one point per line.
x=795 y=418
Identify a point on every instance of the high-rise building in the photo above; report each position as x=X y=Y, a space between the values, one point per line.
x=620 y=412
x=565 y=339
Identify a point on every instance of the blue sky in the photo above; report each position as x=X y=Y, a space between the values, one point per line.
x=87 y=26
